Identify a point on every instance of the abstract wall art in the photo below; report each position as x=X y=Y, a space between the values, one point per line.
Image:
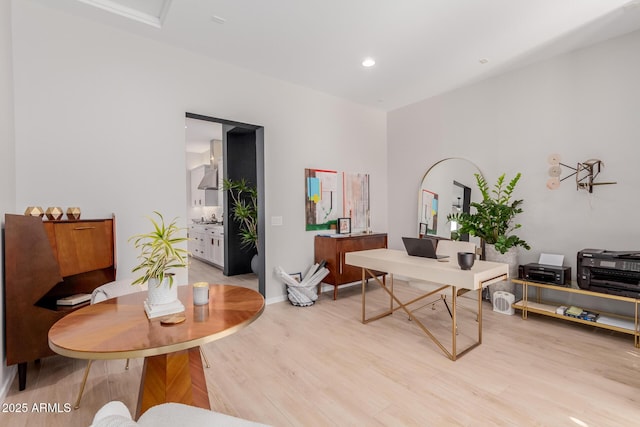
x=321 y=199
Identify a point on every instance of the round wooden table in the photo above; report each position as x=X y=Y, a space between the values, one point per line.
x=118 y=328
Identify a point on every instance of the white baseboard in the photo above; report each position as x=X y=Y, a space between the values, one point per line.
x=8 y=375
x=274 y=300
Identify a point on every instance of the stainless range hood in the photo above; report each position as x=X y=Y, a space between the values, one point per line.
x=210 y=179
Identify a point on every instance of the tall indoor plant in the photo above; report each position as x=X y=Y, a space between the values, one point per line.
x=494 y=219
x=244 y=210
x=159 y=255
x=494 y=222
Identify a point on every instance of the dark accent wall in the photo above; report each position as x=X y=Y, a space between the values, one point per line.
x=240 y=151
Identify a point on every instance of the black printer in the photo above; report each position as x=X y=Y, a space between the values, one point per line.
x=610 y=272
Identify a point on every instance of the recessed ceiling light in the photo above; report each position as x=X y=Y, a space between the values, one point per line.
x=483 y=60
x=368 y=62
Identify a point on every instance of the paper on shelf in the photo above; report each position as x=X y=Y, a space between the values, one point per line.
x=551 y=259
x=616 y=321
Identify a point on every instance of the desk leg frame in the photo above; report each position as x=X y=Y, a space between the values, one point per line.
x=453 y=354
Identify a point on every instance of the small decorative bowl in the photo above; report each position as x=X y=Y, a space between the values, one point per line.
x=54 y=213
x=73 y=213
x=34 y=211
x=466 y=260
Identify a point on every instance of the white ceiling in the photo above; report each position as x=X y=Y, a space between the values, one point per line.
x=199 y=133
x=422 y=47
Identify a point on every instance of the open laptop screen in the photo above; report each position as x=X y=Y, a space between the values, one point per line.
x=425 y=248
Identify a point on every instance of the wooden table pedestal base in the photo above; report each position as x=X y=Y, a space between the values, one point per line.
x=173 y=377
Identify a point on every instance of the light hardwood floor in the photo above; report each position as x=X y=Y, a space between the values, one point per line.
x=202 y=272
x=320 y=366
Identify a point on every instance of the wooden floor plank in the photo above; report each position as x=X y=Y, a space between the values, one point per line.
x=320 y=365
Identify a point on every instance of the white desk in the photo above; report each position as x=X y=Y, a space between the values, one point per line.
x=447 y=274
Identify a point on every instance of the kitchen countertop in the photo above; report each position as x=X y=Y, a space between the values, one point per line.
x=205 y=225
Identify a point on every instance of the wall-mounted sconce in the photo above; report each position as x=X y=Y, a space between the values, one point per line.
x=585 y=173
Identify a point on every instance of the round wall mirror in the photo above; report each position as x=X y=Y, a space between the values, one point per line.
x=448 y=186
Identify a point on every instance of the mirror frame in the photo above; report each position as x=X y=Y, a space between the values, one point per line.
x=420 y=186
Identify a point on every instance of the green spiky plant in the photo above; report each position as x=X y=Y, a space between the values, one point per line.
x=493 y=220
x=244 y=209
x=158 y=251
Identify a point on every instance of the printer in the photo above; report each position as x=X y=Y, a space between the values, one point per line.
x=610 y=272
x=543 y=273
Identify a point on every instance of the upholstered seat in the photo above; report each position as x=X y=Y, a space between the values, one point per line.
x=115 y=413
x=103 y=293
x=115 y=289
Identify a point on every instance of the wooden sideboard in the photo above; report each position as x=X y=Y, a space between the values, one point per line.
x=45 y=261
x=332 y=249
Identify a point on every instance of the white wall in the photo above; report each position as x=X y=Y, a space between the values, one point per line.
x=100 y=125
x=7 y=170
x=581 y=105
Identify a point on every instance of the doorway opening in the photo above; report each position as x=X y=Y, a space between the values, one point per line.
x=461 y=203
x=242 y=152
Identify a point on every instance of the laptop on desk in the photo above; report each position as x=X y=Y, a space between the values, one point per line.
x=425 y=248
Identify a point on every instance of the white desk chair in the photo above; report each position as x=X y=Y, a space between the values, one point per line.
x=450 y=248
x=102 y=293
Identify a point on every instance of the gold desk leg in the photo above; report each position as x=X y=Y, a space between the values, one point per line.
x=525 y=297
x=636 y=338
x=454 y=304
x=403 y=306
x=480 y=314
x=389 y=289
x=363 y=293
x=391 y=294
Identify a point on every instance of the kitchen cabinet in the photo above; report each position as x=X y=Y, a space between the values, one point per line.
x=207 y=243
x=201 y=197
x=196 y=243
x=216 y=245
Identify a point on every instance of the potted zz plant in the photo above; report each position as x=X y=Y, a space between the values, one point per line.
x=159 y=254
x=494 y=221
x=244 y=211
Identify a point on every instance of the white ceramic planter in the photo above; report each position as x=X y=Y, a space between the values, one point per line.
x=162 y=294
x=510 y=257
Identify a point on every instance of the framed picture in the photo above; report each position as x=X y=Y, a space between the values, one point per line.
x=344 y=226
x=430 y=211
x=423 y=229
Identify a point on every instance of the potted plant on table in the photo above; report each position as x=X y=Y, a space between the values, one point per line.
x=244 y=211
x=494 y=222
x=159 y=254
